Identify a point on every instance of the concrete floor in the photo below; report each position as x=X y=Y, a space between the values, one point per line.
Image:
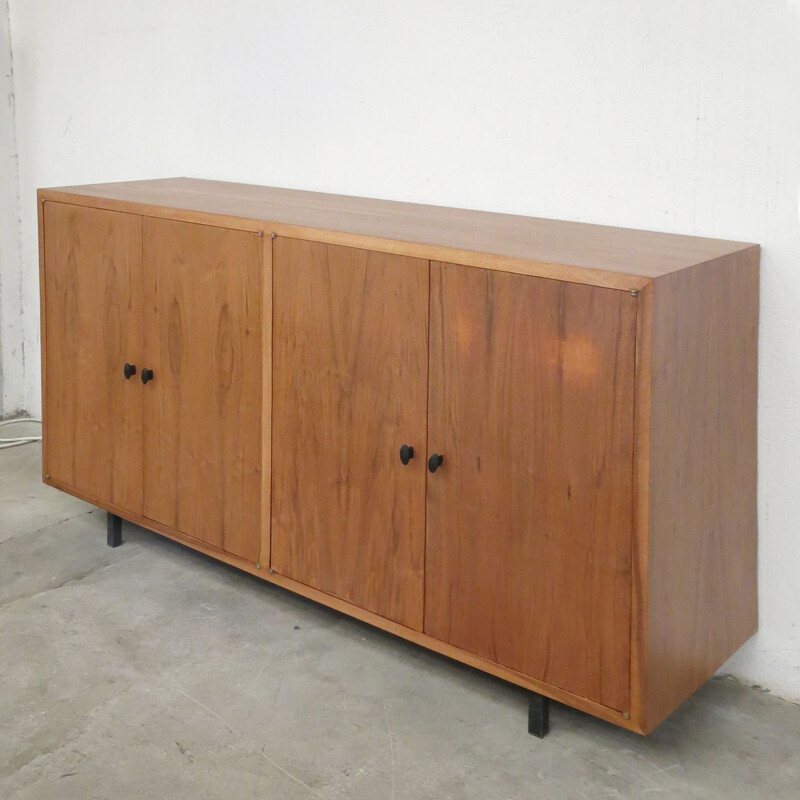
x=151 y=671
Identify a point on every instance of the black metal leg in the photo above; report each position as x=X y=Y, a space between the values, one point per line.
x=538 y=715
x=114 y=528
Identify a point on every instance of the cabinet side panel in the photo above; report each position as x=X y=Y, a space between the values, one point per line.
x=91 y=292
x=702 y=601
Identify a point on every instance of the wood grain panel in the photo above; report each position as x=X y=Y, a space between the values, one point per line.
x=529 y=524
x=703 y=523
x=202 y=440
x=613 y=252
x=92 y=312
x=350 y=383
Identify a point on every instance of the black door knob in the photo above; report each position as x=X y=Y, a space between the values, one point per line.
x=147 y=375
x=128 y=370
x=406 y=454
x=434 y=462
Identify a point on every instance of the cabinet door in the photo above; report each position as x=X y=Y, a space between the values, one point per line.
x=202 y=439
x=529 y=528
x=349 y=380
x=92 y=301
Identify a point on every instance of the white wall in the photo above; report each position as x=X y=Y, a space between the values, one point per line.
x=12 y=357
x=678 y=115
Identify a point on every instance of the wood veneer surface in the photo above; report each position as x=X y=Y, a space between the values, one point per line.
x=202 y=432
x=701 y=592
x=350 y=388
x=528 y=557
x=92 y=293
x=595 y=247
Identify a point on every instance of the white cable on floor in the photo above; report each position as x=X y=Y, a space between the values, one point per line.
x=18 y=440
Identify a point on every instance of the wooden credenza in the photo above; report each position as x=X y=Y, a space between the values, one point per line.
x=526 y=444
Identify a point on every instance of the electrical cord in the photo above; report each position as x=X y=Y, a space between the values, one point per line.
x=18 y=440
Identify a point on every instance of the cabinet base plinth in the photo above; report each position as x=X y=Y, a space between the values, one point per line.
x=538 y=715
x=113 y=530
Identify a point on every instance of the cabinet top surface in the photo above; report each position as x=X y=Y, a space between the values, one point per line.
x=646 y=254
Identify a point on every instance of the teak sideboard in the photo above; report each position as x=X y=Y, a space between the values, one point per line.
x=526 y=444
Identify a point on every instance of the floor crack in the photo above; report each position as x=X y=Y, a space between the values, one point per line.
x=48 y=526
x=72 y=580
